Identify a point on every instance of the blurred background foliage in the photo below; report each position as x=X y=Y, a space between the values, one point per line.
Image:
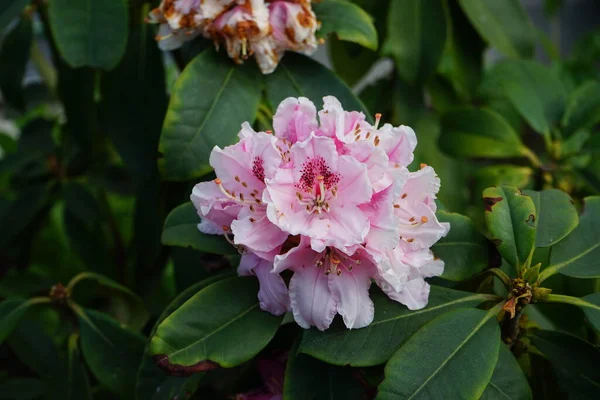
x=499 y=93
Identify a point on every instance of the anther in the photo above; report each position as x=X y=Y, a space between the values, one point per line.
x=404 y=195
x=424 y=219
x=422 y=165
x=338 y=272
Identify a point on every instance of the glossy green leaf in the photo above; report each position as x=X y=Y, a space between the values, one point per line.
x=211 y=99
x=181 y=229
x=453 y=356
x=393 y=324
x=22 y=389
x=80 y=31
x=132 y=312
x=298 y=75
x=9 y=9
x=464 y=250
x=511 y=220
x=534 y=90
x=416 y=35
x=228 y=338
x=574 y=360
x=347 y=21
x=577 y=255
x=508 y=381
x=583 y=108
x=112 y=352
x=309 y=379
x=556 y=216
x=152 y=382
x=503 y=24
x=14 y=54
x=590 y=305
x=472 y=132
x=79 y=385
x=11 y=312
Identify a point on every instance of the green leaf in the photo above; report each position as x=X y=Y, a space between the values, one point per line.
x=211 y=99
x=535 y=91
x=112 y=353
x=181 y=229
x=511 y=219
x=9 y=9
x=228 y=338
x=508 y=381
x=556 y=216
x=132 y=312
x=82 y=34
x=464 y=250
x=577 y=255
x=152 y=383
x=462 y=59
x=79 y=385
x=590 y=305
x=451 y=357
x=393 y=324
x=416 y=37
x=21 y=211
x=22 y=389
x=343 y=54
x=575 y=362
x=36 y=348
x=11 y=312
x=309 y=379
x=503 y=24
x=583 y=108
x=298 y=75
x=14 y=55
x=132 y=109
x=472 y=132
x=502 y=174
x=348 y=21
x=592 y=309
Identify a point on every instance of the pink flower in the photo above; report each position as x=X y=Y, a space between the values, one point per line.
x=247 y=27
x=319 y=196
x=242 y=170
x=294 y=25
x=331 y=200
x=327 y=283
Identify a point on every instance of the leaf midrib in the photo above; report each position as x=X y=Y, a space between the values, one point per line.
x=213 y=332
x=458 y=348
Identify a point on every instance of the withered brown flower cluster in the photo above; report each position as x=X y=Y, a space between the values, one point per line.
x=264 y=29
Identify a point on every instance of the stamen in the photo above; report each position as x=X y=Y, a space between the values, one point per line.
x=377 y=119
x=423 y=165
x=424 y=219
x=231 y=195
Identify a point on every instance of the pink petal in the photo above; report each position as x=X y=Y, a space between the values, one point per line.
x=273 y=294
x=312 y=303
x=254 y=231
x=422 y=186
x=399 y=144
x=295 y=119
x=350 y=290
x=354 y=186
x=213 y=206
x=419 y=226
x=414 y=295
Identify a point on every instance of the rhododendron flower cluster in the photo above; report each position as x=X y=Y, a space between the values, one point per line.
x=265 y=29
x=327 y=196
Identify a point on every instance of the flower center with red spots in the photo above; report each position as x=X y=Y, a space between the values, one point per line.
x=317 y=185
x=258 y=168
